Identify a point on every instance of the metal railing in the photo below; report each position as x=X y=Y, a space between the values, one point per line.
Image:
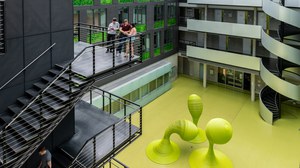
x=114 y=163
x=99 y=149
x=16 y=75
x=89 y=33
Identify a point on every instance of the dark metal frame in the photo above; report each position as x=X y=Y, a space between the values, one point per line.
x=116 y=149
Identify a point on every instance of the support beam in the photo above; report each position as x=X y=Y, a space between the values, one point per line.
x=204 y=75
x=253 y=87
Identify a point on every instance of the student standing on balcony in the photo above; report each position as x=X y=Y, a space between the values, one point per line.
x=124 y=31
x=132 y=35
x=45 y=156
x=111 y=34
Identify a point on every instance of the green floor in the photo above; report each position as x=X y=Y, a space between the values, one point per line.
x=255 y=144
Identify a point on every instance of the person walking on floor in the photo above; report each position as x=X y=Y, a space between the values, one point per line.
x=124 y=31
x=111 y=34
x=45 y=157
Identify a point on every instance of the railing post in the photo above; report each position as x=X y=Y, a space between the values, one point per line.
x=141 y=120
x=141 y=47
x=103 y=34
x=94 y=151
x=130 y=128
x=130 y=49
x=90 y=34
x=114 y=59
x=91 y=96
x=94 y=60
x=103 y=102
x=78 y=31
x=70 y=81
x=125 y=112
x=110 y=109
x=114 y=136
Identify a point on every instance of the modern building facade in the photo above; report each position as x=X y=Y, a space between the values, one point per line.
x=248 y=46
x=244 y=46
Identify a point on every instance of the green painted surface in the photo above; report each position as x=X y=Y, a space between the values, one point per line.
x=75 y=39
x=159 y=24
x=82 y=2
x=168 y=47
x=141 y=27
x=106 y=2
x=146 y=55
x=172 y=22
x=254 y=144
x=125 y=1
x=97 y=37
x=142 y=0
x=156 y=52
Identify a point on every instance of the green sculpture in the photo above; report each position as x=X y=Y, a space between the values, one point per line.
x=165 y=151
x=195 y=106
x=218 y=131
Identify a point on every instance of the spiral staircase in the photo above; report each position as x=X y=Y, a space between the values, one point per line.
x=288 y=57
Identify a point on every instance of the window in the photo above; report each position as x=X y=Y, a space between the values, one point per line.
x=171 y=14
x=2 y=37
x=139 y=18
x=168 y=40
x=152 y=85
x=123 y=14
x=144 y=90
x=76 y=16
x=160 y=81
x=166 y=78
x=90 y=17
x=100 y=17
x=159 y=16
x=146 y=47
x=156 y=43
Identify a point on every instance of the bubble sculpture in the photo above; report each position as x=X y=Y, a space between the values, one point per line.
x=195 y=106
x=218 y=131
x=165 y=151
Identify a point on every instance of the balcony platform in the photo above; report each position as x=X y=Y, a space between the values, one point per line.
x=90 y=121
x=103 y=61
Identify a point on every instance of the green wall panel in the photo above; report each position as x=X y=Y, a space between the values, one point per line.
x=141 y=27
x=82 y=2
x=172 y=22
x=106 y=2
x=156 y=51
x=159 y=24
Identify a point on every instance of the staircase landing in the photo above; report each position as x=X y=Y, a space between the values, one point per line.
x=84 y=64
x=89 y=121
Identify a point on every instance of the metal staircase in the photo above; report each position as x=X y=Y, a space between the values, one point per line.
x=36 y=114
x=277 y=87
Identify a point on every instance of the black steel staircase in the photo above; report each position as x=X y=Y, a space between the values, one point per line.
x=33 y=117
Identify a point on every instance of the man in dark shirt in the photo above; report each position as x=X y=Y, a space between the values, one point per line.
x=45 y=156
x=124 y=31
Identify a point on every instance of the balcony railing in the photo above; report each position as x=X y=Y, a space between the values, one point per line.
x=99 y=149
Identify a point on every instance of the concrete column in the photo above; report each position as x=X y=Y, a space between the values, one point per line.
x=205 y=34
x=204 y=75
x=252 y=87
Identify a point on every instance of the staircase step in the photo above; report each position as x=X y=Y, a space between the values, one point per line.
x=25 y=100
x=34 y=122
x=63 y=159
x=46 y=113
x=66 y=86
x=51 y=102
x=14 y=142
x=8 y=157
x=74 y=79
x=32 y=92
x=14 y=109
x=40 y=85
x=22 y=130
x=58 y=94
x=48 y=78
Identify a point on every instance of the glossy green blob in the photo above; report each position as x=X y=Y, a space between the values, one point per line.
x=218 y=131
x=165 y=151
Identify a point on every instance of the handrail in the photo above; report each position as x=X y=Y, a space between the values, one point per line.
x=27 y=66
x=69 y=65
x=121 y=119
